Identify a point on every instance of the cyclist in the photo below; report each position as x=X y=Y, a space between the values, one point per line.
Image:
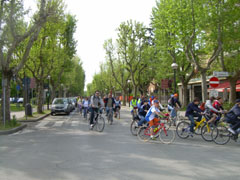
x=117 y=105
x=193 y=111
x=85 y=105
x=175 y=104
x=79 y=102
x=109 y=103
x=95 y=103
x=233 y=117
x=210 y=110
x=151 y=116
x=133 y=105
x=142 y=112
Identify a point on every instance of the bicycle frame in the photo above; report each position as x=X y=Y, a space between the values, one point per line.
x=198 y=124
x=159 y=127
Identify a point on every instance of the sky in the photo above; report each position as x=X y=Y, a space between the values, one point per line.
x=97 y=21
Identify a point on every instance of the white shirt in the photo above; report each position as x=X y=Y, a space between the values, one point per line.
x=151 y=113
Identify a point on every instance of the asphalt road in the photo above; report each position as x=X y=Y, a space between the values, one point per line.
x=62 y=148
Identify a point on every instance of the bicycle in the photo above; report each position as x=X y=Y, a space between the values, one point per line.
x=165 y=135
x=110 y=115
x=183 y=129
x=117 y=113
x=99 y=122
x=134 y=126
x=221 y=135
x=134 y=113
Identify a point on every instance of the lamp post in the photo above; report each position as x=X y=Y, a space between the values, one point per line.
x=48 y=94
x=129 y=92
x=174 y=67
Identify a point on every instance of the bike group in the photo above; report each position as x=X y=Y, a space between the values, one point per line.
x=209 y=119
x=151 y=121
x=93 y=107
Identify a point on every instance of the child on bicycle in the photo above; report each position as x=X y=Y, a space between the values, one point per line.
x=193 y=111
x=151 y=116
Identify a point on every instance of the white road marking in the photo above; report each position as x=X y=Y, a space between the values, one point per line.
x=75 y=123
x=42 y=124
x=58 y=123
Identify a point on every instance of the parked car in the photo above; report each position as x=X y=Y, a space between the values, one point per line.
x=20 y=100
x=71 y=102
x=60 y=105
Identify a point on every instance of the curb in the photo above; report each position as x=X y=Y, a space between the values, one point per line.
x=35 y=120
x=14 y=130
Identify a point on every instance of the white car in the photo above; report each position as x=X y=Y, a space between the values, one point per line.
x=20 y=100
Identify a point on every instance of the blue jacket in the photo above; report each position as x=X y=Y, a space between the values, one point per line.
x=234 y=113
x=191 y=108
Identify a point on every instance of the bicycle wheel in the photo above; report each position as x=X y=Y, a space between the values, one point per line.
x=220 y=135
x=183 y=129
x=206 y=132
x=143 y=134
x=134 y=127
x=167 y=136
x=100 y=124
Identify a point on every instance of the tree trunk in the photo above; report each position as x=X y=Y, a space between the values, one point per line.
x=40 y=98
x=124 y=97
x=53 y=93
x=232 y=95
x=184 y=95
x=6 y=78
x=135 y=91
x=204 y=85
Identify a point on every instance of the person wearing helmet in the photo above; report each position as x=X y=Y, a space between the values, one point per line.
x=151 y=116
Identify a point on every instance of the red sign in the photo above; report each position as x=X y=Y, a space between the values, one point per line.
x=214 y=82
x=165 y=84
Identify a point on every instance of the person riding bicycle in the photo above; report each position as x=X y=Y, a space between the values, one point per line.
x=117 y=105
x=175 y=104
x=109 y=103
x=193 y=111
x=95 y=103
x=142 y=112
x=133 y=105
x=211 y=111
x=85 y=105
x=233 y=117
x=151 y=116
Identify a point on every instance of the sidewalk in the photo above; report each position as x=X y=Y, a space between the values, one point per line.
x=21 y=114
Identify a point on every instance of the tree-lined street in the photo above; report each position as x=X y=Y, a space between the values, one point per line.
x=62 y=147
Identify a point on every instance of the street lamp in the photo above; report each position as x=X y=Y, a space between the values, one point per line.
x=174 y=67
x=129 y=81
x=48 y=94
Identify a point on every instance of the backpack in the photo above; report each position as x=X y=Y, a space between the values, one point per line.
x=202 y=106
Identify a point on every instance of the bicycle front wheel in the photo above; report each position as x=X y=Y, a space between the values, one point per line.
x=134 y=127
x=167 y=136
x=100 y=124
x=182 y=129
x=144 y=133
x=206 y=132
x=220 y=135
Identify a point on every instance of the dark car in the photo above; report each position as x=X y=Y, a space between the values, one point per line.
x=60 y=105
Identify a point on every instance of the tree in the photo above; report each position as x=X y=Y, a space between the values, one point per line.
x=13 y=33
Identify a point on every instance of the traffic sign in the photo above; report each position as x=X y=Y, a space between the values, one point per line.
x=214 y=82
x=213 y=93
x=18 y=88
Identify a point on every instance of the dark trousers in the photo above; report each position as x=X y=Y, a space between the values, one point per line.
x=93 y=111
x=236 y=125
x=191 y=118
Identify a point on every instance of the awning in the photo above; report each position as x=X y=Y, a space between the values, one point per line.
x=226 y=85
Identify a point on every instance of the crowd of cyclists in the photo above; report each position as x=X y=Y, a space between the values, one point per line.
x=150 y=110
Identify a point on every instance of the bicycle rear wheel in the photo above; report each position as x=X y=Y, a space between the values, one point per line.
x=100 y=124
x=220 y=135
x=206 y=132
x=182 y=129
x=134 y=127
x=143 y=134
x=167 y=136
